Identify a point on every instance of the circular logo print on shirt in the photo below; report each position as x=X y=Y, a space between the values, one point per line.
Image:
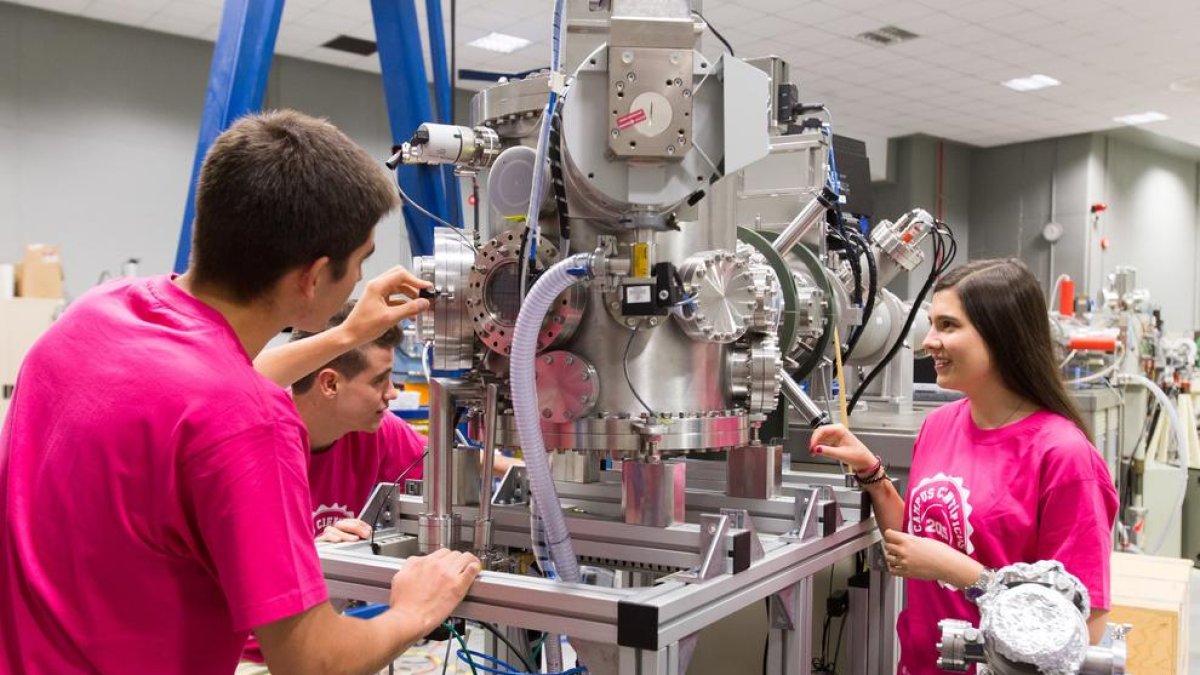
x=324 y=516
x=940 y=509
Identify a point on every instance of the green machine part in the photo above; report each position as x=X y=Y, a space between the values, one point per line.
x=776 y=425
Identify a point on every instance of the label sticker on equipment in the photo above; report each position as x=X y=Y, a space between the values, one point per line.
x=637 y=295
x=631 y=118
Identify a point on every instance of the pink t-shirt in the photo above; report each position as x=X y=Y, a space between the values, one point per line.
x=1032 y=490
x=154 y=493
x=342 y=477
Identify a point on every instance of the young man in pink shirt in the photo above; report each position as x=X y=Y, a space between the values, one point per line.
x=355 y=442
x=173 y=473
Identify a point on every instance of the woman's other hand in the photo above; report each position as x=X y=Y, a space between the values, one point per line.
x=928 y=559
x=836 y=442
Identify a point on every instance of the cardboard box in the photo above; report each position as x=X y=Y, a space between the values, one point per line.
x=1152 y=593
x=40 y=272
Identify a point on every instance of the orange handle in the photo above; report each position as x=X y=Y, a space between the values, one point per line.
x=1093 y=343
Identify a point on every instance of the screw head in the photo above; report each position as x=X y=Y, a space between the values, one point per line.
x=547 y=413
x=626 y=56
x=614 y=133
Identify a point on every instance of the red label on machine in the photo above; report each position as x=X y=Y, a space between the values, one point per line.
x=631 y=118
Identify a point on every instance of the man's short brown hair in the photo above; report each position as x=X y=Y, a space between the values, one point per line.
x=278 y=191
x=350 y=363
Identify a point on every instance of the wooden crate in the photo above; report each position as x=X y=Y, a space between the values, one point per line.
x=1152 y=594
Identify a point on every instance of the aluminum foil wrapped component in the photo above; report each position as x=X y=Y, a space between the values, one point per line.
x=1034 y=624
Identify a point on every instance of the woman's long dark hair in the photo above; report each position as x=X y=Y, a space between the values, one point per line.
x=1004 y=301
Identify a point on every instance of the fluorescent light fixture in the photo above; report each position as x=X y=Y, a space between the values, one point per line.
x=1140 y=118
x=499 y=42
x=1031 y=83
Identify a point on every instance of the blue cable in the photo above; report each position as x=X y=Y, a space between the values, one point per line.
x=469 y=656
x=835 y=182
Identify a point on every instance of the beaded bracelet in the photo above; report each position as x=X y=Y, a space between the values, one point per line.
x=870 y=472
x=880 y=474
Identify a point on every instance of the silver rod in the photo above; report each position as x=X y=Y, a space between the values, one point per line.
x=483 y=524
x=813 y=415
x=809 y=216
x=438 y=478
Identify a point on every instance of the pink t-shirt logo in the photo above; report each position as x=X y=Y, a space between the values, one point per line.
x=940 y=509
x=324 y=516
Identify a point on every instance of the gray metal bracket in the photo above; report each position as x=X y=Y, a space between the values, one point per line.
x=817 y=514
x=740 y=519
x=713 y=548
x=514 y=488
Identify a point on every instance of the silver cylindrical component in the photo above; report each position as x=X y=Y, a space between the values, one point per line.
x=652 y=492
x=812 y=415
x=465 y=147
x=438 y=480
x=448 y=325
x=898 y=244
x=755 y=471
x=960 y=646
x=436 y=532
x=809 y=216
x=483 y=524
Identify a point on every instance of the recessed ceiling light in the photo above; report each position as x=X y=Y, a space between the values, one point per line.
x=353 y=45
x=499 y=42
x=886 y=36
x=1031 y=83
x=1141 y=118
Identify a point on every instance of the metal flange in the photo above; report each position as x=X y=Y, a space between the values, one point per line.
x=493 y=296
x=567 y=386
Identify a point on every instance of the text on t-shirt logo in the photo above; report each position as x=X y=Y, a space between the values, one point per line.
x=940 y=509
x=324 y=516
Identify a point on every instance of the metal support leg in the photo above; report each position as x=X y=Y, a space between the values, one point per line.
x=789 y=649
x=237 y=81
x=437 y=527
x=884 y=599
x=859 y=630
x=664 y=661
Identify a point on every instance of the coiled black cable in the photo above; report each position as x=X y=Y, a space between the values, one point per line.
x=872 y=291
x=945 y=248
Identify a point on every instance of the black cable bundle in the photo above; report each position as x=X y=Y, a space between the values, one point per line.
x=945 y=247
x=554 y=154
x=872 y=291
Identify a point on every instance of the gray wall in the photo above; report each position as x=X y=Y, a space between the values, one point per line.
x=1017 y=189
x=913 y=162
x=1149 y=185
x=1150 y=223
x=97 y=143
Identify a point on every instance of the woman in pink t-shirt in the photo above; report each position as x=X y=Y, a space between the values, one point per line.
x=1008 y=474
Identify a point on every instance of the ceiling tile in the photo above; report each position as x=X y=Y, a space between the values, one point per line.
x=190 y=11
x=1112 y=56
x=117 y=13
x=152 y=5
